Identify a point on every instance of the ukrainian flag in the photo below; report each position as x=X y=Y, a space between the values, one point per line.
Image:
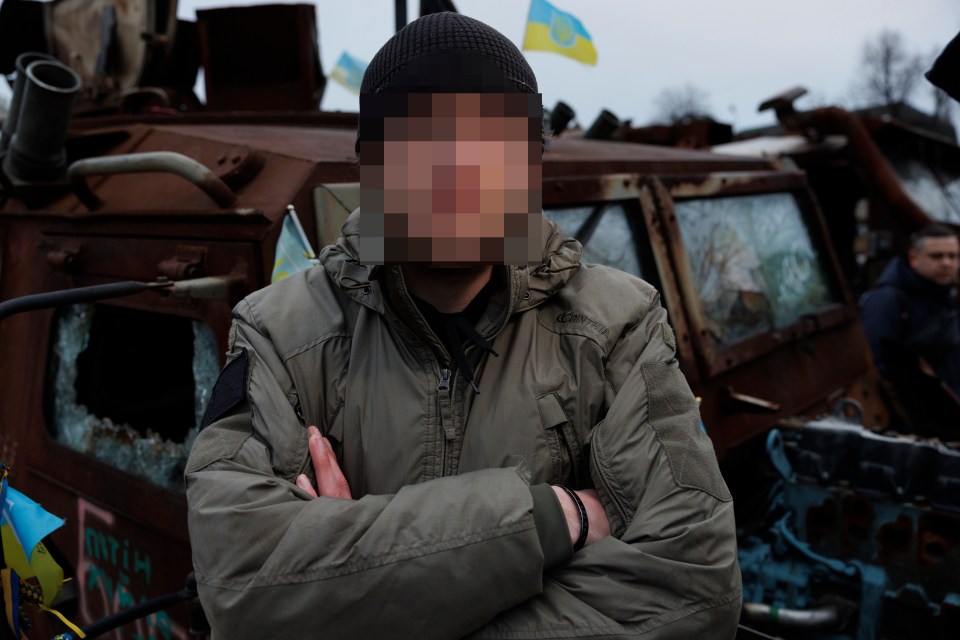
x=551 y=30
x=29 y=574
x=349 y=72
x=293 y=252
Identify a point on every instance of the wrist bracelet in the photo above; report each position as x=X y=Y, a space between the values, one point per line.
x=584 y=522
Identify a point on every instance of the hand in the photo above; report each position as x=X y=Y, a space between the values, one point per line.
x=330 y=480
x=598 y=524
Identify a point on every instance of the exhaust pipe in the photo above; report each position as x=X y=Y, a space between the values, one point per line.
x=603 y=127
x=13 y=112
x=37 y=151
x=560 y=117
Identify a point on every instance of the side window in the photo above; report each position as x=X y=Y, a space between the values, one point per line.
x=130 y=387
x=606 y=232
x=753 y=263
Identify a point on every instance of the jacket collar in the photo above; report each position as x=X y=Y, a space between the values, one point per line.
x=527 y=285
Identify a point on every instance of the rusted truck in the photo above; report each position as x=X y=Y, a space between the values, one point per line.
x=846 y=532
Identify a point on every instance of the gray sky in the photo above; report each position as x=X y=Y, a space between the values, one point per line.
x=738 y=51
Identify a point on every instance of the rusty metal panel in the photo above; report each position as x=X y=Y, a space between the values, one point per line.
x=261 y=58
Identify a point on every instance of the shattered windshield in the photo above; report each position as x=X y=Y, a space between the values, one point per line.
x=604 y=230
x=753 y=263
x=130 y=387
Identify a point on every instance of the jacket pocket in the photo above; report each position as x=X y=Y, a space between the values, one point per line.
x=566 y=452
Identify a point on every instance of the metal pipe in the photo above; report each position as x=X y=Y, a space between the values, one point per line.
x=826 y=617
x=19 y=83
x=207 y=288
x=77 y=295
x=560 y=117
x=603 y=127
x=37 y=151
x=150 y=162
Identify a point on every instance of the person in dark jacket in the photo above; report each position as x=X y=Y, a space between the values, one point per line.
x=452 y=427
x=911 y=320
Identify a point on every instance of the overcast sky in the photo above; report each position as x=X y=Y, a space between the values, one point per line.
x=738 y=51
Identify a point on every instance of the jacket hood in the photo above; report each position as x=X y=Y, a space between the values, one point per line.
x=560 y=260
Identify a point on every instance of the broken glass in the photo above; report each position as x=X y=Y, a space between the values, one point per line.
x=753 y=264
x=609 y=241
x=132 y=402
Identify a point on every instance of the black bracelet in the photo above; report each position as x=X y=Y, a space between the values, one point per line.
x=584 y=522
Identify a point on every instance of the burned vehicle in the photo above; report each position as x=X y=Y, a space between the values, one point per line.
x=846 y=532
x=879 y=173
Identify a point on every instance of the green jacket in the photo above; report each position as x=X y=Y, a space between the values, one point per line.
x=453 y=530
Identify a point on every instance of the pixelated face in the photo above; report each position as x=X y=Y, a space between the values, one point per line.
x=450 y=178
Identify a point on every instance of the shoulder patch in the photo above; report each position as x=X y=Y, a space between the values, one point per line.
x=669 y=338
x=229 y=391
x=674 y=416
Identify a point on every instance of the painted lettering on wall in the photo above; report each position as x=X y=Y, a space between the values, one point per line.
x=114 y=574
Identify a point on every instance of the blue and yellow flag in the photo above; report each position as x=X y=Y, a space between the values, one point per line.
x=293 y=252
x=349 y=72
x=551 y=30
x=29 y=574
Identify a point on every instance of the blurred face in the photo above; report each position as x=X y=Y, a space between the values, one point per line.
x=936 y=259
x=455 y=180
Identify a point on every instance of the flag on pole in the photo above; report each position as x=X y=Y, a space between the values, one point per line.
x=549 y=29
x=294 y=252
x=348 y=72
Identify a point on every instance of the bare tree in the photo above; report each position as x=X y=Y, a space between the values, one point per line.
x=888 y=72
x=678 y=103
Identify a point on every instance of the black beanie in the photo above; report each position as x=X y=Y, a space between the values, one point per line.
x=448 y=52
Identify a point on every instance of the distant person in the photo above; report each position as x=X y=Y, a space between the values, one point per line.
x=911 y=320
x=504 y=445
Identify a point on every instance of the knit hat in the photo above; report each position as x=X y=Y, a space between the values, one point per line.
x=448 y=52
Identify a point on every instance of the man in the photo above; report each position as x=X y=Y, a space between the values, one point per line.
x=911 y=320
x=504 y=445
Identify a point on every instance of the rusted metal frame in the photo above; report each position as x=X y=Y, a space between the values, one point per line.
x=79 y=474
x=716 y=360
x=122 y=493
x=651 y=193
x=227 y=217
x=731 y=183
x=675 y=261
x=869 y=162
x=332 y=119
x=595 y=188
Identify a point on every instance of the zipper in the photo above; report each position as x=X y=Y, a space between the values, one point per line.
x=444 y=380
x=449 y=433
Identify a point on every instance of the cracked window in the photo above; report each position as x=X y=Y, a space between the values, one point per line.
x=753 y=262
x=605 y=232
x=129 y=387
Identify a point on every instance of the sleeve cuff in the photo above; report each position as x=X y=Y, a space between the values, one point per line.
x=551 y=526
